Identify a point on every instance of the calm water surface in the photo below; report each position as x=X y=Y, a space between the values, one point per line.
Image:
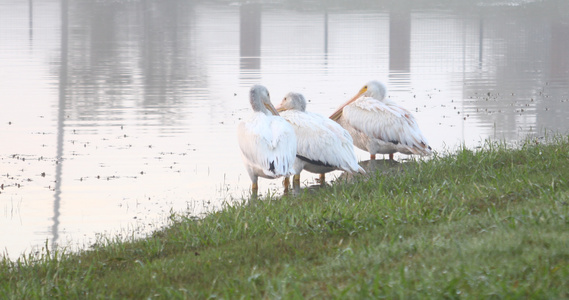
x=113 y=114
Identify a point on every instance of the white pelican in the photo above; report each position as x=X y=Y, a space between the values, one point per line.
x=267 y=141
x=322 y=144
x=379 y=125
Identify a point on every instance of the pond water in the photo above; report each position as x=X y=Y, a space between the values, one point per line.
x=114 y=114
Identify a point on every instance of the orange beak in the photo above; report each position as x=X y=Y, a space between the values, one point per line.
x=272 y=109
x=338 y=113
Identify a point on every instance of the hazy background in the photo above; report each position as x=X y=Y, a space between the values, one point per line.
x=113 y=114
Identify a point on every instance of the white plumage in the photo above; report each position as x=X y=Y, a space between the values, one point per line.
x=322 y=144
x=267 y=141
x=379 y=125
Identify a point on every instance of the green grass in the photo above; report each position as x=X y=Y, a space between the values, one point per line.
x=492 y=223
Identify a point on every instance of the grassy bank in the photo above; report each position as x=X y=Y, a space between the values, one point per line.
x=484 y=224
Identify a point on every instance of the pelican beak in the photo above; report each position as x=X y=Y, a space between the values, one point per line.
x=338 y=113
x=272 y=109
x=280 y=109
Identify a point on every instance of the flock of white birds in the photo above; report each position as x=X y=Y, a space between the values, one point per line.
x=283 y=141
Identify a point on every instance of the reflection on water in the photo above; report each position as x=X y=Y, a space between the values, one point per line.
x=113 y=114
x=60 y=120
x=250 y=37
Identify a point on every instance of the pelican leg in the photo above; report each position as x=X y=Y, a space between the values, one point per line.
x=322 y=179
x=254 y=189
x=296 y=180
x=286 y=185
x=296 y=184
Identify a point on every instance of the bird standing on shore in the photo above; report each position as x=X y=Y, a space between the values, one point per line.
x=379 y=125
x=267 y=141
x=322 y=144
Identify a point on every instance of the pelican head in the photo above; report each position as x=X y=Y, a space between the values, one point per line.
x=261 y=100
x=373 y=89
x=293 y=101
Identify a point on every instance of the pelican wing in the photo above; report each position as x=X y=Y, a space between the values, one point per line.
x=322 y=140
x=268 y=143
x=336 y=128
x=389 y=123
